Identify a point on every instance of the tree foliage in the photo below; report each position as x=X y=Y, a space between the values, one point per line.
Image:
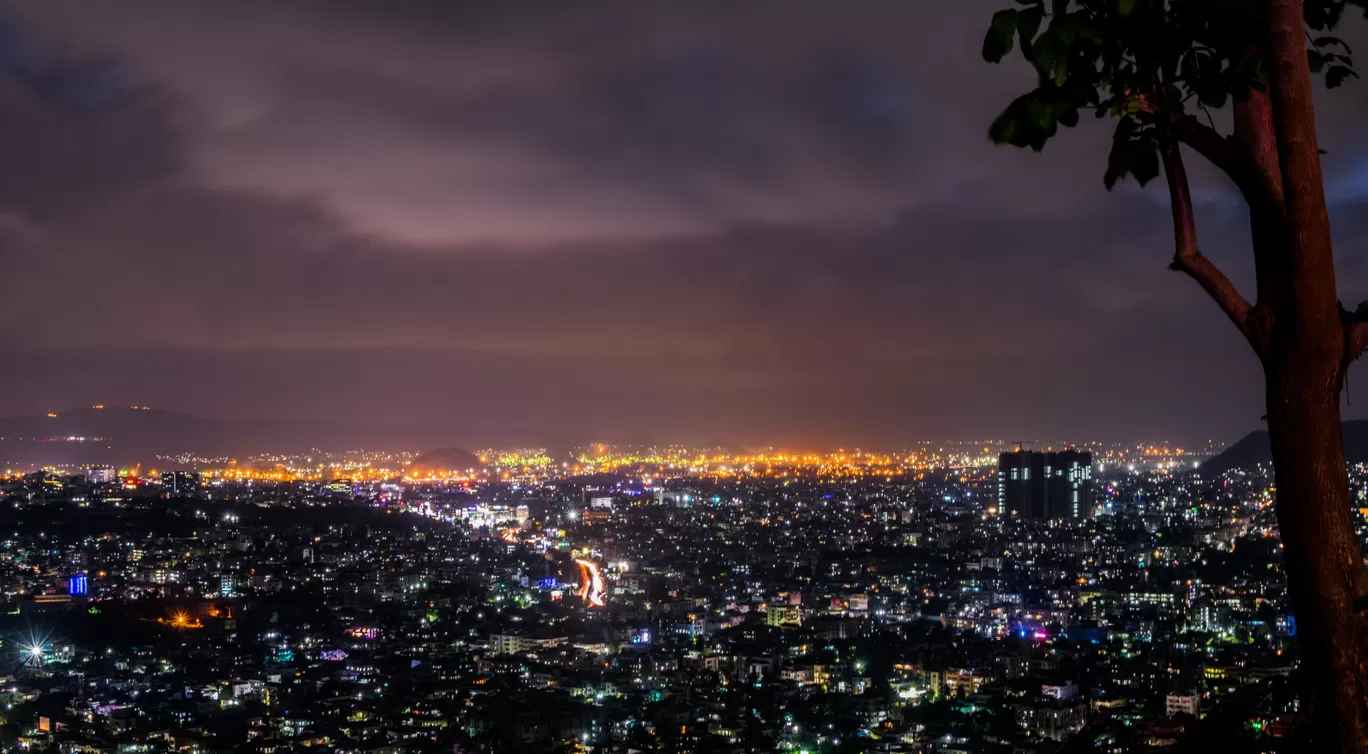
x=1145 y=63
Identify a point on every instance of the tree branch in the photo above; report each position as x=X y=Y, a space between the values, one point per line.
x=1261 y=192
x=1188 y=259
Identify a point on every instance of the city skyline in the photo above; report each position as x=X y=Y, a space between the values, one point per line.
x=760 y=224
x=649 y=604
x=433 y=377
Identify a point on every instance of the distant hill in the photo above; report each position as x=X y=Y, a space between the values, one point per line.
x=1254 y=449
x=133 y=435
x=445 y=459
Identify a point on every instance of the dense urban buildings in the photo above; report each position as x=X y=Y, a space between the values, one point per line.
x=643 y=599
x=175 y=483
x=1045 y=485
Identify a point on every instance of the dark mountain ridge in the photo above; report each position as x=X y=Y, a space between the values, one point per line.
x=1254 y=449
x=136 y=435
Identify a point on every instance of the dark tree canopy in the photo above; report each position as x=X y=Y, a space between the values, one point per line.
x=1147 y=63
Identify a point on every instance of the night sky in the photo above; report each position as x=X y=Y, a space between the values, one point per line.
x=751 y=222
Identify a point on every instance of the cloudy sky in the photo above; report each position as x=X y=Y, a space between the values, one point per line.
x=758 y=222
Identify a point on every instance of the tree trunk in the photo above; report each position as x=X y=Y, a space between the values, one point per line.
x=1321 y=550
x=1305 y=366
x=1254 y=130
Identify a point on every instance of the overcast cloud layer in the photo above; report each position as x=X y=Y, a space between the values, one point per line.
x=775 y=222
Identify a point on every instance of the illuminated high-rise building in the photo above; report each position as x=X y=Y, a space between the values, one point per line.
x=1045 y=485
x=1021 y=489
x=101 y=474
x=180 y=483
x=1069 y=489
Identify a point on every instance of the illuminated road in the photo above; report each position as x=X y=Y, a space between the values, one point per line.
x=591 y=583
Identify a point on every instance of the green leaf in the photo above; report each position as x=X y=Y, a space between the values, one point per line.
x=1088 y=30
x=1048 y=55
x=1042 y=115
x=1323 y=14
x=1337 y=74
x=1125 y=130
x=1024 y=123
x=998 y=42
x=1145 y=165
x=1120 y=157
x=1114 y=173
x=1006 y=128
x=1028 y=24
x=1213 y=97
x=1333 y=42
x=1139 y=160
x=1133 y=153
x=1066 y=28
